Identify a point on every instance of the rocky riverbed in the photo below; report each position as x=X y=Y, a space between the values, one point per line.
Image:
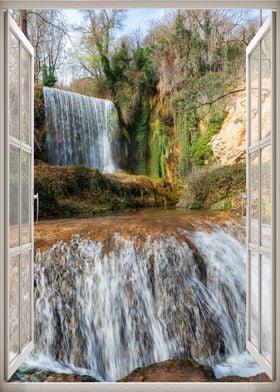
x=160 y=291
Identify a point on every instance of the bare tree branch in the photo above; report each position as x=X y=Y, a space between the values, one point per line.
x=220 y=97
x=48 y=22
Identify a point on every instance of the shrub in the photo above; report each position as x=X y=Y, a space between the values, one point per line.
x=215 y=189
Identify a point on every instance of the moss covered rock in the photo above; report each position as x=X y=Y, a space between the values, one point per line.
x=72 y=190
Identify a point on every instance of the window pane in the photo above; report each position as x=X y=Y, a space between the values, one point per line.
x=13 y=307
x=266 y=86
x=25 y=96
x=254 y=197
x=25 y=184
x=266 y=197
x=14 y=196
x=25 y=298
x=266 y=307
x=254 y=95
x=254 y=299
x=13 y=86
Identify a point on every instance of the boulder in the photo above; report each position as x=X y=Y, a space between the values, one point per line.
x=184 y=370
x=176 y=370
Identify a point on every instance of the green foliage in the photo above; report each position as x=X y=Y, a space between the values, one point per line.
x=187 y=59
x=120 y=61
x=141 y=129
x=49 y=78
x=186 y=128
x=159 y=147
x=109 y=73
x=143 y=62
x=201 y=150
x=69 y=190
x=215 y=189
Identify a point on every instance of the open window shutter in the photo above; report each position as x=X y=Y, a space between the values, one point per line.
x=18 y=197
x=261 y=260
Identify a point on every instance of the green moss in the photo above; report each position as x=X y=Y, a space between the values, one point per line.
x=222 y=205
x=201 y=151
x=141 y=136
x=196 y=205
x=73 y=190
x=158 y=150
x=186 y=128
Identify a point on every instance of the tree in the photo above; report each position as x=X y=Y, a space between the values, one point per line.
x=101 y=25
x=48 y=76
x=46 y=30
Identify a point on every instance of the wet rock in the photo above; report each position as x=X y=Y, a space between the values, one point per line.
x=38 y=375
x=261 y=377
x=184 y=370
x=176 y=370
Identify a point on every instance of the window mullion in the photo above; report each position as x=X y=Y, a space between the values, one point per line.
x=259 y=204
x=20 y=200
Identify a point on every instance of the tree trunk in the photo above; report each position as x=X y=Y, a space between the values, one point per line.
x=23 y=14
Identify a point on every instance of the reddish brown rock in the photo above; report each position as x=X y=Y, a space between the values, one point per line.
x=184 y=370
x=177 y=370
x=261 y=377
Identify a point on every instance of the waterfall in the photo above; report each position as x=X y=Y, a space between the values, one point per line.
x=80 y=129
x=131 y=300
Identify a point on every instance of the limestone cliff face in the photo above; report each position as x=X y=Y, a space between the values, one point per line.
x=229 y=145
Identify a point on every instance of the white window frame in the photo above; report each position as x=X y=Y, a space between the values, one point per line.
x=20 y=249
x=257 y=147
x=164 y=387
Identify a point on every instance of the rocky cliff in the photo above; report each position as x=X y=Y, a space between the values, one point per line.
x=229 y=145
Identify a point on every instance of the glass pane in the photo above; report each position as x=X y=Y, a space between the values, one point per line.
x=14 y=196
x=25 y=198
x=13 y=86
x=254 y=298
x=254 y=95
x=25 y=298
x=13 y=307
x=266 y=86
x=266 y=307
x=266 y=196
x=25 y=96
x=254 y=197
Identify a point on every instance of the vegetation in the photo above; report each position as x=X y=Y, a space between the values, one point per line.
x=170 y=87
x=164 y=84
x=215 y=189
x=201 y=151
x=73 y=190
x=49 y=78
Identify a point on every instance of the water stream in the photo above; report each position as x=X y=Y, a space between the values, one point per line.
x=80 y=130
x=141 y=295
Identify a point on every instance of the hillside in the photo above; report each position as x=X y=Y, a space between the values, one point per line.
x=179 y=95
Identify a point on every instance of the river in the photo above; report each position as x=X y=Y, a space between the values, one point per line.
x=117 y=292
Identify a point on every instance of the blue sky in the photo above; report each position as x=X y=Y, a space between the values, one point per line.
x=135 y=18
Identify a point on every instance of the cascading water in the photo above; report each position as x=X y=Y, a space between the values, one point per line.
x=80 y=129
x=128 y=301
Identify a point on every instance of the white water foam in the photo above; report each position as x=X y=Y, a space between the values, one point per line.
x=80 y=130
x=241 y=364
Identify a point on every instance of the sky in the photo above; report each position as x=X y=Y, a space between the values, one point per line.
x=135 y=19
